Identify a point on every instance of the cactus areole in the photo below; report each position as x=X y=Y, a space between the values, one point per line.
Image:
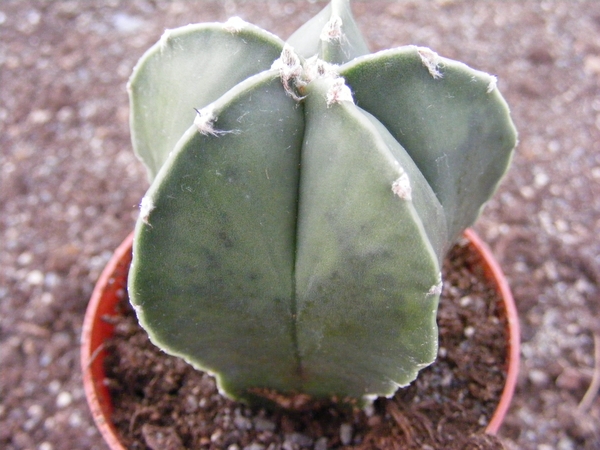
x=302 y=198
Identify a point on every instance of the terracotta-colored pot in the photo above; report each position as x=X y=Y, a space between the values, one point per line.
x=494 y=273
x=110 y=289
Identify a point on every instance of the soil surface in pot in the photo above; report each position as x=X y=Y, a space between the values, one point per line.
x=161 y=402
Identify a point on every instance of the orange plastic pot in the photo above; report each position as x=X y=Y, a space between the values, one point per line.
x=494 y=273
x=111 y=288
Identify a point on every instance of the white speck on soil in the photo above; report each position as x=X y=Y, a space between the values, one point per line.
x=63 y=399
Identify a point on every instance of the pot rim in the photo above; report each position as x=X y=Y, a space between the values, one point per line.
x=495 y=274
x=94 y=331
x=112 y=282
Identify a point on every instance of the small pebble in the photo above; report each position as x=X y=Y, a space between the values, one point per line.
x=35 y=411
x=262 y=424
x=242 y=423
x=346 y=433
x=35 y=278
x=30 y=424
x=40 y=116
x=298 y=439
x=541 y=179
x=46 y=298
x=447 y=379
x=369 y=410
x=216 y=436
x=465 y=301
x=63 y=399
x=538 y=377
x=321 y=444
x=254 y=447
x=25 y=258
x=54 y=387
x=49 y=423
x=191 y=403
x=565 y=443
x=75 y=420
x=126 y=23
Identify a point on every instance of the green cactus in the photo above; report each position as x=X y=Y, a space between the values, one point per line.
x=292 y=236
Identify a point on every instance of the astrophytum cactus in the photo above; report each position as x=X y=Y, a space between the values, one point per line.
x=302 y=198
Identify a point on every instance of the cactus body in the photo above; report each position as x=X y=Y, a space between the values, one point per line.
x=292 y=236
x=332 y=34
x=465 y=154
x=226 y=201
x=168 y=83
x=364 y=264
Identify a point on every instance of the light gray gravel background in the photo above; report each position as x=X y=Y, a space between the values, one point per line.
x=70 y=186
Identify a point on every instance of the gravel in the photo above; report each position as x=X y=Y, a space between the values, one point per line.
x=70 y=187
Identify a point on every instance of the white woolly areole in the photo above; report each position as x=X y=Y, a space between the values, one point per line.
x=317 y=68
x=339 y=92
x=290 y=70
x=436 y=289
x=146 y=207
x=234 y=25
x=492 y=84
x=431 y=60
x=204 y=121
x=332 y=31
x=402 y=188
x=164 y=38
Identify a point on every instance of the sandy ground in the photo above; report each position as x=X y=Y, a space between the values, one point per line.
x=70 y=185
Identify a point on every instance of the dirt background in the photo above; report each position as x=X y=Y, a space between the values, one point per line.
x=70 y=185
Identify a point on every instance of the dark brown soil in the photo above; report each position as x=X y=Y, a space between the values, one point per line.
x=161 y=402
x=70 y=186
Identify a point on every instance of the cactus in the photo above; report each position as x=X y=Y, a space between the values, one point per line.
x=302 y=198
